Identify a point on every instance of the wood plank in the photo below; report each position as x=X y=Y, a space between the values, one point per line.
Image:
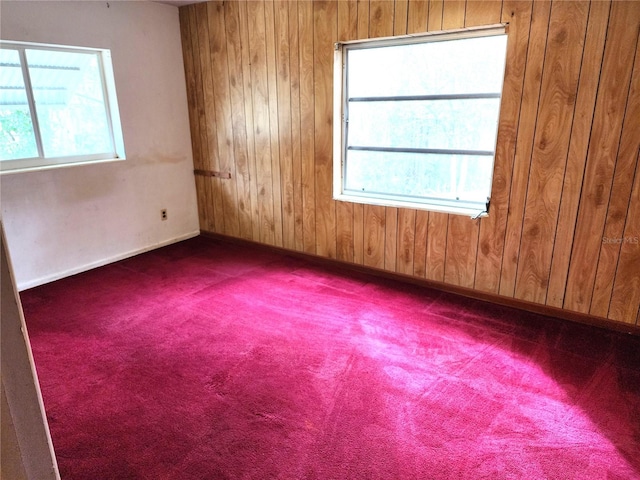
x=224 y=117
x=436 y=9
x=580 y=133
x=205 y=196
x=347 y=30
x=247 y=88
x=261 y=124
x=524 y=144
x=620 y=202
x=625 y=298
x=381 y=15
x=400 y=17
x=603 y=147
x=202 y=202
x=462 y=249
x=358 y=233
x=453 y=14
x=208 y=113
x=269 y=22
x=241 y=172
x=483 y=12
x=187 y=37
x=390 y=238
x=492 y=228
x=567 y=27
x=209 y=200
x=437 y=232
x=296 y=134
x=307 y=124
x=325 y=35
x=406 y=240
x=283 y=84
x=418 y=15
x=363 y=18
x=420 y=244
x=374 y=220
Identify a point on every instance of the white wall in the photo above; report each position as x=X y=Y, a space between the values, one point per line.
x=63 y=221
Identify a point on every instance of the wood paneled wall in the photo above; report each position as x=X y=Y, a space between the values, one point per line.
x=564 y=224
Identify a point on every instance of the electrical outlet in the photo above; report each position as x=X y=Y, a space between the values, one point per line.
x=163 y=214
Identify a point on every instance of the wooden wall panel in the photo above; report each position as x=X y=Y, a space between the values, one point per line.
x=240 y=169
x=580 y=132
x=539 y=26
x=208 y=125
x=307 y=124
x=613 y=92
x=259 y=79
x=324 y=36
x=223 y=116
x=274 y=127
x=249 y=123
x=625 y=300
x=296 y=146
x=283 y=77
x=567 y=26
x=614 y=229
x=261 y=126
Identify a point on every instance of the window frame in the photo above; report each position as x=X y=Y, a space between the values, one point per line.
x=340 y=108
x=114 y=126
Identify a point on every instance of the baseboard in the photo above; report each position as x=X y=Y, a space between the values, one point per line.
x=100 y=263
x=524 y=305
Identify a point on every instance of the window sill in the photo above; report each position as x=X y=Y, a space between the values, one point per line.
x=14 y=166
x=469 y=212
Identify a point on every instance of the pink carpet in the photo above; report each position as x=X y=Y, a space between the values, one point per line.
x=205 y=360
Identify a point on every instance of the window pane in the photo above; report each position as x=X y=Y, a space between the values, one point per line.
x=440 y=124
x=452 y=177
x=435 y=68
x=17 y=139
x=67 y=89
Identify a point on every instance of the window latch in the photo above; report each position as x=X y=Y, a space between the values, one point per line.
x=483 y=212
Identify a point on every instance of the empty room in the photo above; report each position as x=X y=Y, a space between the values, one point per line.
x=333 y=239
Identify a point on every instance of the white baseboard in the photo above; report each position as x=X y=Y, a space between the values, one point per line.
x=105 y=261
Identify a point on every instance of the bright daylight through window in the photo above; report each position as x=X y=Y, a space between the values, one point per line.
x=57 y=107
x=416 y=120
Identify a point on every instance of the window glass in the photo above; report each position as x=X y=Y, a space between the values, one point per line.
x=70 y=103
x=451 y=124
x=16 y=130
x=458 y=66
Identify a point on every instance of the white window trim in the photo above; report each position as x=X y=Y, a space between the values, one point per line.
x=339 y=124
x=111 y=103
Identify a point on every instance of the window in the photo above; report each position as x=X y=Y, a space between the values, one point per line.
x=57 y=107
x=416 y=119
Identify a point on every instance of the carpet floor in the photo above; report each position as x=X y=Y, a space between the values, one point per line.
x=207 y=360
